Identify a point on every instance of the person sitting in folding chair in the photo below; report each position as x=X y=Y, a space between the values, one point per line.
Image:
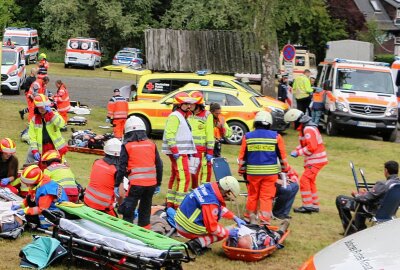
x=369 y=201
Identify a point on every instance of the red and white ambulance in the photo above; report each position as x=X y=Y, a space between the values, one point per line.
x=12 y=69
x=82 y=52
x=27 y=38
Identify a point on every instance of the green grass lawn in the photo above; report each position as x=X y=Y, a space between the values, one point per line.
x=309 y=233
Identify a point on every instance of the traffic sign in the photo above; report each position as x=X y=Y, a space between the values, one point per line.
x=289 y=52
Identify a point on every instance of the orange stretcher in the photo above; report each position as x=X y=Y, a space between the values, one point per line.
x=86 y=150
x=250 y=255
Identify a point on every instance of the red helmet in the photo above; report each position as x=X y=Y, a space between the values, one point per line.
x=8 y=146
x=41 y=101
x=198 y=96
x=31 y=175
x=182 y=98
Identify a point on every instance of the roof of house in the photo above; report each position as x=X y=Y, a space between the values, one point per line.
x=378 y=13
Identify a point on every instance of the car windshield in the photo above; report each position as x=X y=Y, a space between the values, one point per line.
x=8 y=58
x=16 y=40
x=126 y=54
x=364 y=80
x=248 y=88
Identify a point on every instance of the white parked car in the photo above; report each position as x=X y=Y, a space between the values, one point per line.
x=12 y=69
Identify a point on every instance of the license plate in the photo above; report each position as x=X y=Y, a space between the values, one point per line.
x=366 y=124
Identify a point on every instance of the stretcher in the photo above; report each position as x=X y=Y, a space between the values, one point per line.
x=250 y=255
x=86 y=150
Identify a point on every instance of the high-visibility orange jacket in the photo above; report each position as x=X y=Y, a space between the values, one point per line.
x=43 y=64
x=318 y=99
x=311 y=145
x=62 y=99
x=117 y=108
x=141 y=163
x=100 y=191
x=37 y=87
x=221 y=128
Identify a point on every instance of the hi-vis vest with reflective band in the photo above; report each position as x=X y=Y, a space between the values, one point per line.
x=141 y=163
x=51 y=188
x=202 y=125
x=302 y=87
x=99 y=193
x=317 y=156
x=261 y=152
x=117 y=108
x=182 y=138
x=62 y=175
x=189 y=215
x=35 y=132
x=62 y=99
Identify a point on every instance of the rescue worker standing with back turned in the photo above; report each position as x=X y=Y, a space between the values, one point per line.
x=37 y=87
x=178 y=145
x=302 y=91
x=221 y=128
x=101 y=191
x=60 y=173
x=117 y=113
x=201 y=122
x=198 y=215
x=62 y=100
x=141 y=162
x=312 y=148
x=260 y=152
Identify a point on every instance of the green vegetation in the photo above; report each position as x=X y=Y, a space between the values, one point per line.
x=309 y=233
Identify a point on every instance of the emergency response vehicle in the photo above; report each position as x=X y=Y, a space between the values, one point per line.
x=85 y=52
x=27 y=38
x=12 y=69
x=302 y=60
x=128 y=57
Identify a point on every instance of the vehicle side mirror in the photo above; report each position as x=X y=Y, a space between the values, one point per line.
x=169 y=101
x=327 y=85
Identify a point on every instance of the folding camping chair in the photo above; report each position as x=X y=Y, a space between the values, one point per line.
x=389 y=206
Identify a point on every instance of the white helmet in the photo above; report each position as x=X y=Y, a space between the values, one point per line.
x=134 y=123
x=292 y=115
x=229 y=183
x=264 y=117
x=113 y=147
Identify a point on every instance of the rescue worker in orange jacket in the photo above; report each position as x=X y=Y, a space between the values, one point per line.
x=142 y=164
x=60 y=173
x=260 y=151
x=318 y=103
x=312 y=148
x=201 y=123
x=43 y=194
x=221 y=128
x=102 y=190
x=117 y=113
x=43 y=64
x=62 y=100
x=178 y=145
x=39 y=86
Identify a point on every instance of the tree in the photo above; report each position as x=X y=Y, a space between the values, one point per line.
x=9 y=11
x=30 y=13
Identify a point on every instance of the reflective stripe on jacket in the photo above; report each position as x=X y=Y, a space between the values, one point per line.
x=62 y=99
x=117 y=108
x=202 y=125
x=62 y=175
x=141 y=163
x=311 y=146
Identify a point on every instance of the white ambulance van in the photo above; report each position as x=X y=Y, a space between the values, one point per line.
x=27 y=38
x=12 y=69
x=84 y=52
x=303 y=60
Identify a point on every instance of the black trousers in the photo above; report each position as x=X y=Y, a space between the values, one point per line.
x=32 y=218
x=303 y=104
x=141 y=195
x=345 y=206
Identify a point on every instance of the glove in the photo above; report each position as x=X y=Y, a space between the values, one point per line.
x=234 y=233
x=209 y=157
x=294 y=154
x=5 y=181
x=116 y=192
x=15 y=207
x=36 y=156
x=239 y=221
x=21 y=212
x=108 y=120
x=157 y=190
x=176 y=156
x=47 y=108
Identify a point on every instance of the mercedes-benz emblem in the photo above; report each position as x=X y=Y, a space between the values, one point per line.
x=367 y=109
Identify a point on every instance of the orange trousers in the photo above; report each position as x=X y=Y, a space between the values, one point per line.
x=119 y=125
x=261 y=190
x=64 y=115
x=308 y=187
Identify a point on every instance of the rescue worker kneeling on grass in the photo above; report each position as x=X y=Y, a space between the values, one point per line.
x=141 y=162
x=102 y=188
x=198 y=215
x=117 y=112
x=259 y=153
x=60 y=173
x=43 y=194
x=8 y=165
x=44 y=130
x=201 y=122
x=178 y=145
x=312 y=148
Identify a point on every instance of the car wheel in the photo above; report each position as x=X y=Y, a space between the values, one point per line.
x=27 y=62
x=66 y=66
x=390 y=136
x=146 y=123
x=331 y=129
x=238 y=131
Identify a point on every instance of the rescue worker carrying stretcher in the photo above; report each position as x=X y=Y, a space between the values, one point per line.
x=312 y=148
x=43 y=194
x=178 y=145
x=201 y=122
x=102 y=188
x=259 y=153
x=117 y=113
x=141 y=163
x=221 y=128
x=198 y=215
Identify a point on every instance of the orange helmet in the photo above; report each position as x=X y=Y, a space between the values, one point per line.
x=198 y=96
x=8 y=146
x=51 y=155
x=182 y=98
x=31 y=175
x=41 y=101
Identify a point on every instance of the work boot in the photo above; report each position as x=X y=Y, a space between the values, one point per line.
x=21 y=114
x=194 y=246
x=253 y=219
x=303 y=210
x=315 y=209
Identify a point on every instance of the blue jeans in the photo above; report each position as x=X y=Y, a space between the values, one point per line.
x=284 y=199
x=316 y=116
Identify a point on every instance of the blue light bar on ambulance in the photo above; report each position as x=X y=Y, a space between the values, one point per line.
x=204 y=82
x=340 y=60
x=202 y=72
x=131 y=49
